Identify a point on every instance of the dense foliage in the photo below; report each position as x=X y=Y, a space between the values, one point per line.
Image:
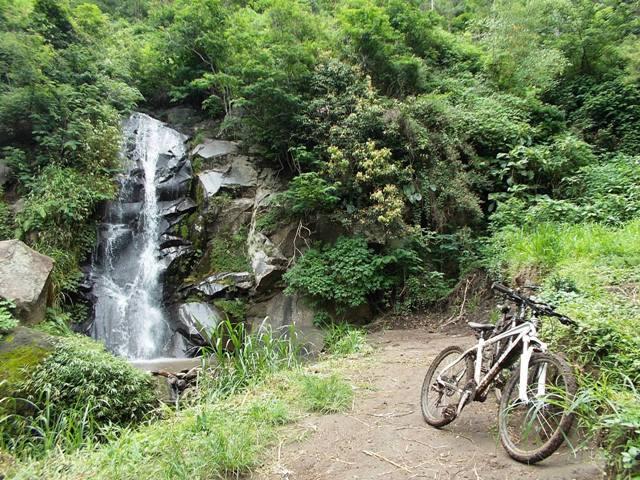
x=434 y=137
x=63 y=86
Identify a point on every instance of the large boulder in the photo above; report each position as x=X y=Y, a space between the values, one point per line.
x=283 y=312
x=25 y=279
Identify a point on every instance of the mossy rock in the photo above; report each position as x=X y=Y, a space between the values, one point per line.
x=20 y=353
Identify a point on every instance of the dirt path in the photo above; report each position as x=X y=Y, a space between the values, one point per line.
x=385 y=437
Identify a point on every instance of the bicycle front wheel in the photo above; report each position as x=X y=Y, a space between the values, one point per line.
x=439 y=401
x=531 y=431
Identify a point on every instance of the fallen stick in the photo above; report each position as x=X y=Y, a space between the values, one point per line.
x=385 y=459
x=391 y=414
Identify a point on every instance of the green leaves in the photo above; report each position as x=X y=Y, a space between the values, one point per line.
x=344 y=274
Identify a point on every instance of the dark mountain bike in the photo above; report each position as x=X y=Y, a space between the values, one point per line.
x=534 y=416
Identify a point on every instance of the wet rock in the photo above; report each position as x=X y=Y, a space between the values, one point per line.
x=170 y=255
x=25 y=279
x=174 y=182
x=283 y=311
x=167 y=240
x=216 y=284
x=172 y=212
x=122 y=212
x=210 y=149
x=230 y=217
x=195 y=321
x=176 y=207
x=113 y=239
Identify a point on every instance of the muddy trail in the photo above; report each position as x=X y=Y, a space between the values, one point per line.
x=385 y=437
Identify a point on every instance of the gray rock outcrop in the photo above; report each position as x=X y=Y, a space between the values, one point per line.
x=210 y=149
x=283 y=311
x=196 y=321
x=25 y=279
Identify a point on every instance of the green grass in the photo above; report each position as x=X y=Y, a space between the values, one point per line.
x=344 y=339
x=224 y=430
x=222 y=438
x=326 y=394
x=592 y=273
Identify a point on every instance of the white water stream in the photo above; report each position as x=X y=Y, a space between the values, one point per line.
x=129 y=314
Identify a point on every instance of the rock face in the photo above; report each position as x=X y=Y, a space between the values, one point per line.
x=216 y=284
x=280 y=312
x=210 y=149
x=196 y=320
x=237 y=174
x=25 y=279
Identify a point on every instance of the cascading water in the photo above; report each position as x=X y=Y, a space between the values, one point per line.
x=129 y=315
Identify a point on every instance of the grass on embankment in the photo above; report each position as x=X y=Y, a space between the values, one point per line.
x=592 y=273
x=224 y=431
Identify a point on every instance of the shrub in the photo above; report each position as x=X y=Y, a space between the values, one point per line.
x=6 y=220
x=344 y=274
x=7 y=321
x=81 y=372
x=309 y=193
x=423 y=290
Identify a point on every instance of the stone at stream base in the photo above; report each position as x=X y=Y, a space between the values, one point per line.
x=20 y=352
x=25 y=279
x=283 y=311
x=196 y=320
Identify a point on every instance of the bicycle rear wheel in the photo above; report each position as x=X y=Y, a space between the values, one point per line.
x=439 y=402
x=531 y=431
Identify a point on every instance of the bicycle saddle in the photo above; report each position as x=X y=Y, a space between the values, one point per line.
x=481 y=326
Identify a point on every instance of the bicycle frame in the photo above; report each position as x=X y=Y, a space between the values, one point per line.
x=524 y=334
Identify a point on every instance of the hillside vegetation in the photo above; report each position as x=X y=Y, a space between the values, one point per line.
x=436 y=137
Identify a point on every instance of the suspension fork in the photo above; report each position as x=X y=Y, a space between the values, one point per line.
x=527 y=352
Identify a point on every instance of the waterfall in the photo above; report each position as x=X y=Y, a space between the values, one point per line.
x=129 y=316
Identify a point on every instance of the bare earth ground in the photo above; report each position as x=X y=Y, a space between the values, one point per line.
x=385 y=437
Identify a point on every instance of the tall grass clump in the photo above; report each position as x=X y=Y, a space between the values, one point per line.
x=344 y=339
x=329 y=394
x=242 y=358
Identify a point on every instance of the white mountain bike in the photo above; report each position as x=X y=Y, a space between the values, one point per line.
x=534 y=416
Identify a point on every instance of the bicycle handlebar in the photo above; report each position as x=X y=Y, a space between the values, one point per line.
x=538 y=307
